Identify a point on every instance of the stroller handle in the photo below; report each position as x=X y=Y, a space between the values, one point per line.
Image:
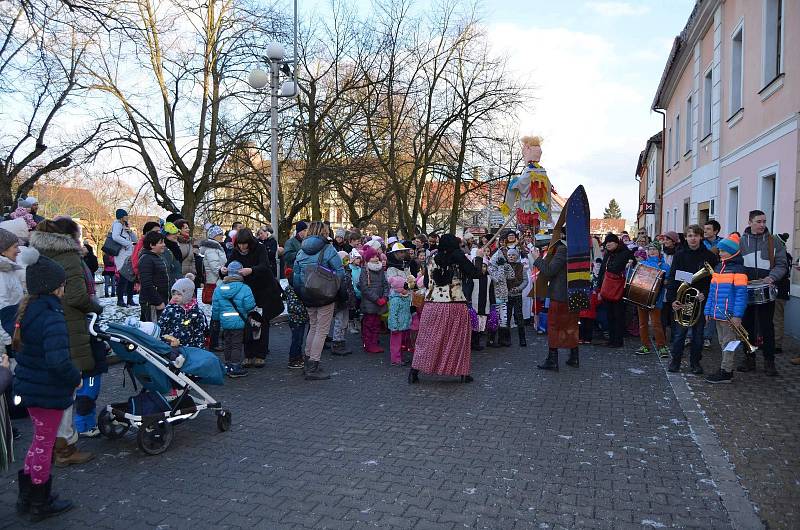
x=95 y=331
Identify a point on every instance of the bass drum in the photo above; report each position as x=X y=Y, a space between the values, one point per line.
x=760 y=292
x=643 y=286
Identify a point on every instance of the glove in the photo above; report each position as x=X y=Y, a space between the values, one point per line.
x=501 y=261
x=381 y=301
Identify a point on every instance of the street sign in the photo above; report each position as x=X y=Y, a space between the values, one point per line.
x=649 y=208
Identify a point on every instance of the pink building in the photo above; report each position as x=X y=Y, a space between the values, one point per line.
x=730 y=96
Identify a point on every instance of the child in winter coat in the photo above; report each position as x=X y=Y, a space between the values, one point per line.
x=345 y=303
x=481 y=295
x=501 y=272
x=231 y=303
x=109 y=276
x=298 y=320
x=399 y=317
x=355 y=273
x=45 y=379
x=656 y=260
x=727 y=299
x=374 y=288
x=183 y=318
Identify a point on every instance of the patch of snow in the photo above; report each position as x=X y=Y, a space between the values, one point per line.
x=564 y=436
x=610 y=454
x=370 y=463
x=637 y=371
x=652 y=524
x=470 y=491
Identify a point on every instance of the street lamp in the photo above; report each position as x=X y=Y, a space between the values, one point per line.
x=258 y=79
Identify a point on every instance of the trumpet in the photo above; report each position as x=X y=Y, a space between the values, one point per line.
x=688 y=297
x=741 y=333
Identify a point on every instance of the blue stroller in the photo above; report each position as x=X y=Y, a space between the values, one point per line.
x=159 y=369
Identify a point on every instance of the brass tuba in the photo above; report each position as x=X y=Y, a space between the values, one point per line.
x=688 y=315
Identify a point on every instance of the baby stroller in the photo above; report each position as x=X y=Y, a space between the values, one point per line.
x=159 y=369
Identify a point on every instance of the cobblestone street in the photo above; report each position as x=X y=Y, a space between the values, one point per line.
x=604 y=446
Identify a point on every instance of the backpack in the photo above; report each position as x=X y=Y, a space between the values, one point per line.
x=320 y=284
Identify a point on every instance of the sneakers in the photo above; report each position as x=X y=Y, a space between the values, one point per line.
x=720 y=377
x=707 y=343
x=696 y=369
x=234 y=370
x=248 y=362
x=91 y=433
x=687 y=341
x=674 y=366
x=663 y=352
x=644 y=350
x=296 y=364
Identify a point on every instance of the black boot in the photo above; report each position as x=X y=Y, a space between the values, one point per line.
x=42 y=503
x=491 y=341
x=523 y=342
x=551 y=363
x=24 y=496
x=769 y=366
x=413 y=376
x=748 y=364
x=574 y=359
x=476 y=341
x=315 y=372
x=466 y=379
x=505 y=337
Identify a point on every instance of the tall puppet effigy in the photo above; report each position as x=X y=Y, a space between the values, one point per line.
x=530 y=192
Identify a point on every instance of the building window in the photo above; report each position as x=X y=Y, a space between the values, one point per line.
x=768 y=198
x=737 y=76
x=675 y=219
x=708 y=88
x=689 y=120
x=669 y=148
x=685 y=214
x=666 y=224
x=677 y=154
x=733 y=209
x=773 y=39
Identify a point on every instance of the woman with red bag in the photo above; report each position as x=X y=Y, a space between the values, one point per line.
x=612 y=285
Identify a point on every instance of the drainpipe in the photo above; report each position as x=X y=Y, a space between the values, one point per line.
x=660 y=186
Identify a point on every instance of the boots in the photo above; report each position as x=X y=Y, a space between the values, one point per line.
x=505 y=337
x=413 y=376
x=748 y=364
x=67 y=455
x=314 y=372
x=574 y=359
x=339 y=347
x=551 y=363
x=476 y=341
x=43 y=504
x=24 y=496
x=769 y=366
x=523 y=342
x=491 y=341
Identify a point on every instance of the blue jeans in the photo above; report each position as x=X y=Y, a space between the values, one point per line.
x=296 y=349
x=710 y=329
x=696 y=346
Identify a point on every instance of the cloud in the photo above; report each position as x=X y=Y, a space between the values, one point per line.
x=594 y=119
x=617 y=9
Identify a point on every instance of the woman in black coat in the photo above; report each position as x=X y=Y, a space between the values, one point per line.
x=615 y=261
x=258 y=275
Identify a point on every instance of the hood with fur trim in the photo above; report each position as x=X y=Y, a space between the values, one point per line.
x=52 y=243
x=210 y=243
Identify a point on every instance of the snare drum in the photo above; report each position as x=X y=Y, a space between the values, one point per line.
x=760 y=292
x=644 y=286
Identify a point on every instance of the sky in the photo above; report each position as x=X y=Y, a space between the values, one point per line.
x=595 y=66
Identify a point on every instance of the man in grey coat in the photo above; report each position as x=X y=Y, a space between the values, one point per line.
x=764 y=259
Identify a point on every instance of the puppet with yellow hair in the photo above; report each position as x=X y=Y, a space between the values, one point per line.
x=529 y=192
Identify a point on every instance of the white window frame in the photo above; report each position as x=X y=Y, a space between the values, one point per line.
x=773 y=170
x=675 y=218
x=677 y=144
x=768 y=56
x=733 y=107
x=689 y=120
x=733 y=224
x=669 y=148
x=708 y=101
x=666 y=223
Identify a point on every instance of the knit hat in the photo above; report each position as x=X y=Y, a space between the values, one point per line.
x=339 y=233
x=24 y=203
x=44 y=276
x=300 y=226
x=374 y=245
x=32 y=200
x=784 y=236
x=235 y=269
x=185 y=289
x=730 y=244
x=391 y=241
x=121 y=213
x=655 y=245
x=368 y=252
x=7 y=239
x=355 y=254
x=214 y=231
x=611 y=238
x=171 y=218
x=512 y=252
x=673 y=236
x=468 y=236
x=397 y=282
x=18 y=227
x=170 y=229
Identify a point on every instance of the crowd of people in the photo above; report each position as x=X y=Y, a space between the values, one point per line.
x=438 y=297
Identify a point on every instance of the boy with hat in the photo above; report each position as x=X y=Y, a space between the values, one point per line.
x=292 y=245
x=230 y=305
x=727 y=300
x=655 y=260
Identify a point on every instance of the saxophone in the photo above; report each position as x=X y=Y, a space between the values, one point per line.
x=688 y=315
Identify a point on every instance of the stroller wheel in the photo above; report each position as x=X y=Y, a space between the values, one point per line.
x=224 y=420
x=109 y=427
x=155 y=438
